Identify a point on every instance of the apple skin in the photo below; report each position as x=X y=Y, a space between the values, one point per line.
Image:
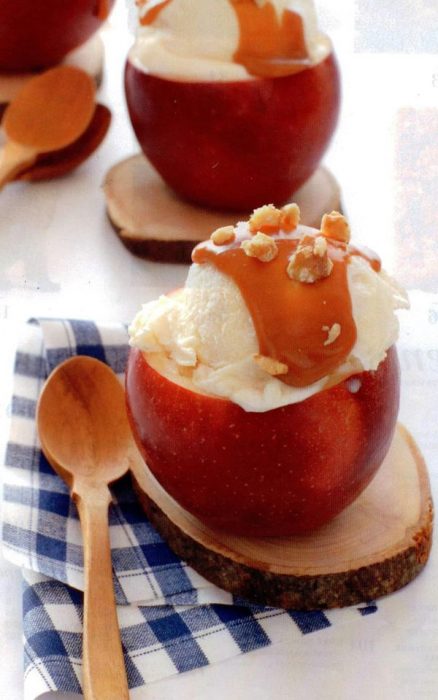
x=283 y=472
x=235 y=145
x=38 y=34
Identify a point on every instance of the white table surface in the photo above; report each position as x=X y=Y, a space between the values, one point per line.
x=60 y=257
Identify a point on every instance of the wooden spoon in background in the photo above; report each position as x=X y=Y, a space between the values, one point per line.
x=48 y=114
x=85 y=436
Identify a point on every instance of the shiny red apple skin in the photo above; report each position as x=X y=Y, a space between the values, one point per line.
x=36 y=34
x=283 y=472
x=235 y=145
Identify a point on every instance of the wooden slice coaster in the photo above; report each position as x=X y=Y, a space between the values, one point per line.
x=89 y=57
x=153 y=222
x=376 y=546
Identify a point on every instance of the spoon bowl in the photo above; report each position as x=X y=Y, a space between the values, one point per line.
x=49 y=113
x=52 y=109
x=82 y=422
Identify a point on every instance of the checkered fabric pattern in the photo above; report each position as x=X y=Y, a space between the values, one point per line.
x=172 y=619
x=158 y=641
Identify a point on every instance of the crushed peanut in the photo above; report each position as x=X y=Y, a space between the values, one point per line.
x=223 y=235
x=265 y=219
x=261 y=247
x=271 y=366
x=336 y=226
x=310 y=262
x=333 y=333
x=290 y=217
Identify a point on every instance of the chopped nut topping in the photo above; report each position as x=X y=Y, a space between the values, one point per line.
x=261 y=247
x=265 y=219
x=290 y=217
x=335 y=226
x=223 y=235
x=320 y=246
x=333 y=333
x=271 y=366
x=310 y=262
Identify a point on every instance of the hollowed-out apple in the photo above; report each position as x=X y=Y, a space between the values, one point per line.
x=235 y=145
x=281 y=472
x=35 y=35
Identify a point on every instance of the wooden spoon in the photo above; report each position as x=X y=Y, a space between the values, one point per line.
x=85 y=436
x=50 y=112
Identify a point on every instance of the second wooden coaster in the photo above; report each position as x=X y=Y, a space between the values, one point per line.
x=377 y=545
x=153 y=222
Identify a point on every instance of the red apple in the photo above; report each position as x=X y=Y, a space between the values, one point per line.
x=282 y=472
x=235 y=145
x=35 y=35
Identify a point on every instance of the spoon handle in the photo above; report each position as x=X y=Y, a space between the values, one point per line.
x=104 y=673
x=14 y=157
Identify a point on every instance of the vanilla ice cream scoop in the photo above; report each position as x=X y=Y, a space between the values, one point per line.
x=272 y=313
x=227 y=39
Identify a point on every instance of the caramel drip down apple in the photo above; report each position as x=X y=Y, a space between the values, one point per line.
x=269 y=45
x=309 y=328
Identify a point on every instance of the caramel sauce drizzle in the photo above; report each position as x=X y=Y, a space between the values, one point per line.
x=269 y=46
x=290 y=316
x=152 y=14
x=103 y=9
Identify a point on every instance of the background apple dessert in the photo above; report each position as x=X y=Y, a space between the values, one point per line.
x=233 y=102
x=37 y=35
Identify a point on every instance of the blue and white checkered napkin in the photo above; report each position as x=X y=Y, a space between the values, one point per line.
x=172 y=620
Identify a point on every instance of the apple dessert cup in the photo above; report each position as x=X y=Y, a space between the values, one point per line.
x=242 y=115
x=264 y=395
x=37 y=35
